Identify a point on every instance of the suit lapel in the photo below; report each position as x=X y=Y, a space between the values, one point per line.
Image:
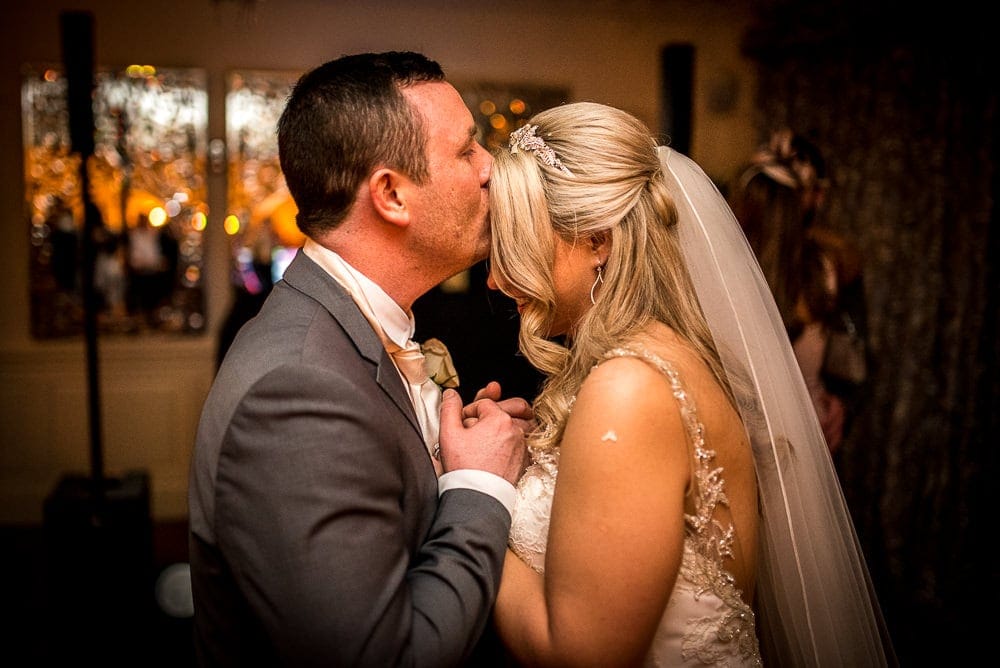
x=309 y=278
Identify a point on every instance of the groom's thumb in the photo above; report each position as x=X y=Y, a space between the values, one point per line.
x=451 y=409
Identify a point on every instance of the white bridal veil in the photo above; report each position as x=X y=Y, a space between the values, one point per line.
x=814 y=598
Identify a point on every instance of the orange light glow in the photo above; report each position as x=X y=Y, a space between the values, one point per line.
x=231 y=224
x=157 y=216
x=140 y=71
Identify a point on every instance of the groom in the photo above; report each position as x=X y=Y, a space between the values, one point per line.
x=320 y=532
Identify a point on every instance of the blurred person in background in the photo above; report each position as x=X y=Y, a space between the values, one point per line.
x=813 y=271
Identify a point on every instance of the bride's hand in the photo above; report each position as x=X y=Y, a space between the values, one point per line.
x=516 y=407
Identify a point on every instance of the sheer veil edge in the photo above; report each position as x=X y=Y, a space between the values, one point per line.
x=815 y=601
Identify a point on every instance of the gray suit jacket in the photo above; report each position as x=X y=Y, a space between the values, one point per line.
x=317 y=535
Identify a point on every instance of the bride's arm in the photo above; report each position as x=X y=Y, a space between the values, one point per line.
x=616 y=531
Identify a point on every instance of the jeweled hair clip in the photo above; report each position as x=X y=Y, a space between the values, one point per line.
x=524 y=138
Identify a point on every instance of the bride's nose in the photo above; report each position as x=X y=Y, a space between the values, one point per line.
x=490 y=283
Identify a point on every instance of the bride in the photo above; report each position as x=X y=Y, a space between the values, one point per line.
x=681 y=507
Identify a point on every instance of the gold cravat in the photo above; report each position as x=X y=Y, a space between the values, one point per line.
x=425 y=395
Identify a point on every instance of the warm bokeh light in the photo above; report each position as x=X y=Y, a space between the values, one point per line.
x=499 y=109
x=140 y=71
x=50 y=75
x=231 y=224
x=157 y=216
x=199 y=221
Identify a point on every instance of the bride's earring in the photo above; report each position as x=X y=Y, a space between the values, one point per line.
x=599 y=279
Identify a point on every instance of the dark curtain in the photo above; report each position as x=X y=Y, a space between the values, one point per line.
x=904 y=104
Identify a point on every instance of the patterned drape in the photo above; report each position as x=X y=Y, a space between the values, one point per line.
x=905 y=108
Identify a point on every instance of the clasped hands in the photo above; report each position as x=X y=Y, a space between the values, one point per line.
x=488 y=434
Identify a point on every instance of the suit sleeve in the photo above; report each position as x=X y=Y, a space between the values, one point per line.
x=312 y=515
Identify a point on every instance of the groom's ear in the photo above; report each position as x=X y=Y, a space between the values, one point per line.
x=390 y=194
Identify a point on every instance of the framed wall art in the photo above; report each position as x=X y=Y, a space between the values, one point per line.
x=147 y=181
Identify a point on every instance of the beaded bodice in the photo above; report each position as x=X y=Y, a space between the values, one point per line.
x=706 y=622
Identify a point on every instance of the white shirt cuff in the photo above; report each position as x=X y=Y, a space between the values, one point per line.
x=481 y=481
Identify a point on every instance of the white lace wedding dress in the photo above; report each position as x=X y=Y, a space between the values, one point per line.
x=705 y=621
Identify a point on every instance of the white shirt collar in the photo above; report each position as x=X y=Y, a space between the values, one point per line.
x=396 y=323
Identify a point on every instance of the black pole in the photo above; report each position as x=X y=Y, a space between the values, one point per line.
x=676 y=93
x=98 y=530
x=78 y=62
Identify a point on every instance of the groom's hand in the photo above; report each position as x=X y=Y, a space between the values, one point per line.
x=493 y=441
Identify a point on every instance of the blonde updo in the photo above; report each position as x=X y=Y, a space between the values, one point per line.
x=614 y=187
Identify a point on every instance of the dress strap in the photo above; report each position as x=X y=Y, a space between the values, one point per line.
x=688 y=411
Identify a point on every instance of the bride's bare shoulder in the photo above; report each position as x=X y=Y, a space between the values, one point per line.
x=664 y=353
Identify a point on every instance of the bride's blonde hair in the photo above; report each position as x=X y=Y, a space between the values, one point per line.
x=612 y=186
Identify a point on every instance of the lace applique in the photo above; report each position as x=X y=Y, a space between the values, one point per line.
x=529 y=529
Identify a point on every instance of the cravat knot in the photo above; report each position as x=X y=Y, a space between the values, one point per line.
x=410 y=362
x=424 y=393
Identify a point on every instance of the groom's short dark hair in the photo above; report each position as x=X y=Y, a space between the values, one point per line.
x=342 y=120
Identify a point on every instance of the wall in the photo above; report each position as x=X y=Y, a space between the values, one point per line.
x=152 y=387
